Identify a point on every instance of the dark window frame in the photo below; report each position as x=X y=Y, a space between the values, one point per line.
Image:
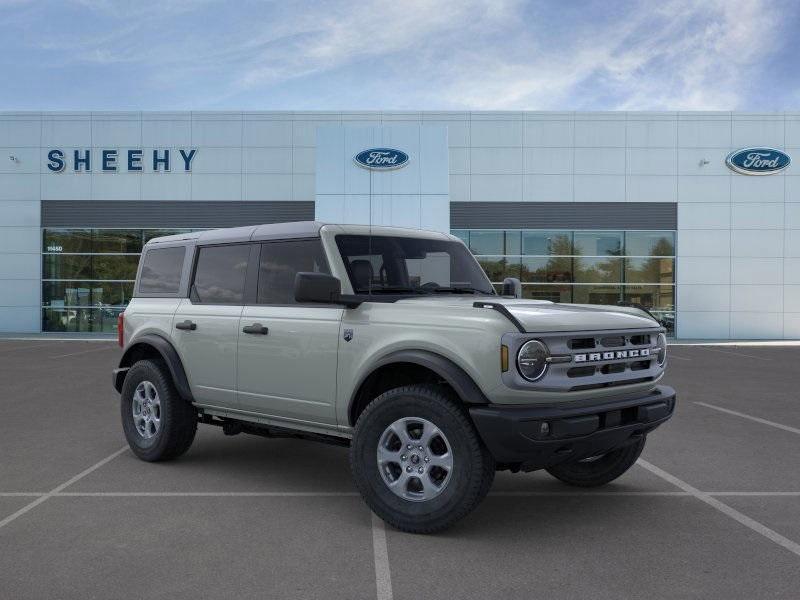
x=261 y=245
x=246 y=299
x=137 y=293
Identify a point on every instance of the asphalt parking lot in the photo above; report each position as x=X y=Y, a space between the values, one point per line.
x=711 y=511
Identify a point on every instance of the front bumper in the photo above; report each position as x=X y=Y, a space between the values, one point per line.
x=531 y=437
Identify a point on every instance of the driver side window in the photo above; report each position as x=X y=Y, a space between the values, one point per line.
x=281 y=261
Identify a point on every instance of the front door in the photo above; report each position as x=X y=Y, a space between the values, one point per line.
x=206 y=325
x=287 y=351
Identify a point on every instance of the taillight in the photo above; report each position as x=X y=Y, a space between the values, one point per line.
x=121 y=330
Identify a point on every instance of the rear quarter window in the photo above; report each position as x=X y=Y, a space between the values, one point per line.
x=161 y=271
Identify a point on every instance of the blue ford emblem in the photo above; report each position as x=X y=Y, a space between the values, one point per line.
x=758 y=161
x=381 y=158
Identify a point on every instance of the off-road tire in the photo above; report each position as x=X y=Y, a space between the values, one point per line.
x=602 y=470
x=178 y=417
x=473 y=468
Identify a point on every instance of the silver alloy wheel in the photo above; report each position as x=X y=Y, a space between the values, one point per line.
x=415 y=459
x=146 y=410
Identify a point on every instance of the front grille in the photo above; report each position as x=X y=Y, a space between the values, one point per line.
x=584 y=360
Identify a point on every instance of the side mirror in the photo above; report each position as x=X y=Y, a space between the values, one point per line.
x=512 y=287
x=317 y=287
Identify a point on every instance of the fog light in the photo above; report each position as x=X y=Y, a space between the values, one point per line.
x=544 y=428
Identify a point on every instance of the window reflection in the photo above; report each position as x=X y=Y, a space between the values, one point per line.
x=598 y=243
x=594 y=267
x=88 y=275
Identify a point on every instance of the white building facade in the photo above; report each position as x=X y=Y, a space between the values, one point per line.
x=583 y=207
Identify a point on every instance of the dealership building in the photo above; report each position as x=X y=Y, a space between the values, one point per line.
x=694 y=215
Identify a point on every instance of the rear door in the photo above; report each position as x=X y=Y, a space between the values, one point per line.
x=288 y=351
x=206 y=325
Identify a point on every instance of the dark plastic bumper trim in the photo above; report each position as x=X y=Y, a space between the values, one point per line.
x=535 y=437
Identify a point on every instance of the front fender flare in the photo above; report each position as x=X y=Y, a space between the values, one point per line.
x=167 y=352
x=461 y=382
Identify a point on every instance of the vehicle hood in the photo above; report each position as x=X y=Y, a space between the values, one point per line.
x=545 y=316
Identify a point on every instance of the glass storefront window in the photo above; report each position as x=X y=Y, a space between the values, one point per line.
x=67 y=266
x=652 y=297
x=650 y=243
x=595 y=267
x=67 y=240
x=553 y=293
x=117 y=240
x=598 y=270
x=86 y=293
x=487 y=242
x=556 y=269
x=547 y=243
x=597 y=294
x=88 y=275
x=496 y=268
x=598 y=243
x=650 y=270
x=96 y=320
x=512 y=239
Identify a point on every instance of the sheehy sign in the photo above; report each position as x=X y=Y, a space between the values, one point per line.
x=134 y=160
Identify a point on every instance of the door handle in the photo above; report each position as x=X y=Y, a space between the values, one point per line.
x=256 y=328
x=187 y=325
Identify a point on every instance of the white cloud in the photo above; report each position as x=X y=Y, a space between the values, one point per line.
x=473 y=54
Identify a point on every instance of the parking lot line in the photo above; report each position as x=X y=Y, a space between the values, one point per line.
x=61 y=487
x=18 y=349
x=590 y=494
x=81 y=352
x=383 y=577
x=751 y=418
x=207 y=494
x=734 y=514
x=742 y=354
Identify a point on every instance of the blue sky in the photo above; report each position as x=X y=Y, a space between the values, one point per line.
x=437 y=54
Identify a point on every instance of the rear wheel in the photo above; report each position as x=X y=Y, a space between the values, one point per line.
x=418 y=461
x=601 y=469
x=158 y=423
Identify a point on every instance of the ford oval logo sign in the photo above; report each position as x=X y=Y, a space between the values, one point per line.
x=758 y=161
x=381 y=159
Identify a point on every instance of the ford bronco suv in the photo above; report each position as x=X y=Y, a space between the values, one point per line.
x=392 y=342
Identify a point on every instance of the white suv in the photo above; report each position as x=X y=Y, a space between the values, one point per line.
x=394 y=342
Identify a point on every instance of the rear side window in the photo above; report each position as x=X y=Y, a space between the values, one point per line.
x=280 y=262
x=161 y=270
x=220 y=274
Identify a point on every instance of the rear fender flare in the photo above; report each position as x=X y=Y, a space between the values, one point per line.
x=167 y=352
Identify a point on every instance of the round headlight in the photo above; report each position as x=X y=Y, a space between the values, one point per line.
x=532 y=360
x=661 y=349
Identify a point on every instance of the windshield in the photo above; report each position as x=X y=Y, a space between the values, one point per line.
x=398 y=265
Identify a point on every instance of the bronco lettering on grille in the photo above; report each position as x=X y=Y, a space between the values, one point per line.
x=616 y=355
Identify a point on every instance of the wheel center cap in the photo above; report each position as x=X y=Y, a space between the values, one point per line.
x=414 y=459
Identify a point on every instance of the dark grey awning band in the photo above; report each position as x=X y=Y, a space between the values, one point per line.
x=563 y=215
x=142 y=213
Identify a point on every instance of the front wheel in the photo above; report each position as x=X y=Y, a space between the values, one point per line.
x=599 y=470
x=417 y=459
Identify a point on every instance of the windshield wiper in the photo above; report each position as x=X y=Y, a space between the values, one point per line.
x=397 y=289
x=458 y=290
